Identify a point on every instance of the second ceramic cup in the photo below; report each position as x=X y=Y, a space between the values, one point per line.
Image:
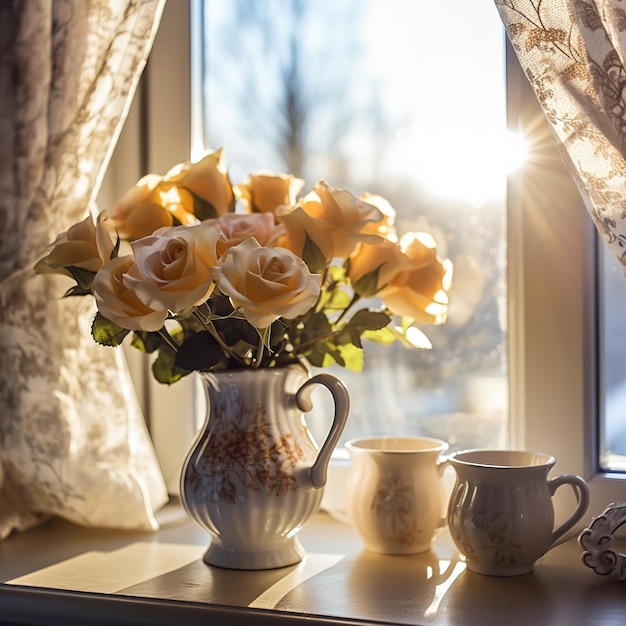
x=395 y=494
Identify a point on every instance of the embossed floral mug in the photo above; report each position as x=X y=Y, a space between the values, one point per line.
x=501 y=515
x=395 y=494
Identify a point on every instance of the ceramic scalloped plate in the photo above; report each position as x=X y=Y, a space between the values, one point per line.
x=597 y=541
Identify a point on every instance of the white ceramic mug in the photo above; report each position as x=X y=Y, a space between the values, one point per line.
x=395 y=494
x=500 y=513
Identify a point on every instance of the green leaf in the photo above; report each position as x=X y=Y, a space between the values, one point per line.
x=116 y=248
x=337 y=300
x=384 y=336
x=337 y=273
x=313 y=256
x=316 y=327
x=353 y=357
x=84 y=278
x=367 y=285
x=77 y=290
x=320 y=355
x=146 y=342
x=107 y=333
x=202 y=209
x=164 y=369
x=327 y=353
x=364 y=320
x=199 y=352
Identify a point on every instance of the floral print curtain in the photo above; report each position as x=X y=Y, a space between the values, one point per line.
x=573 y=54
x=72 y=438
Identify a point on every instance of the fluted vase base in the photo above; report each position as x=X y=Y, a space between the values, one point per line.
x=288 y=553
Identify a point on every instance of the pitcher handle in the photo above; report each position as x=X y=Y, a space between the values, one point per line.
x=581 y=490
x=342 y=405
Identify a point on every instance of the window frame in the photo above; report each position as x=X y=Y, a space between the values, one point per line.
x=552 y=291
x=553 y=338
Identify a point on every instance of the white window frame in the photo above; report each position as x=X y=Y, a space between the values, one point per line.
x=550 y=271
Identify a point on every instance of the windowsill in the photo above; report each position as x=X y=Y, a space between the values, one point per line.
x=62 y=573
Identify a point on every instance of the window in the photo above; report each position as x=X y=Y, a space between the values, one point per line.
x=348 y=92
x=550 y=272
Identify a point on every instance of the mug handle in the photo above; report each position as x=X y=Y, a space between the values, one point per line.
x=582 y=496
x=339 y=392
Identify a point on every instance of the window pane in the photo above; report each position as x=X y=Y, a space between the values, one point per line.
x=612 y=392
x=368 y=95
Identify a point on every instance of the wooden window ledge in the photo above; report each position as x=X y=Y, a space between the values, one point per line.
x=62 y=573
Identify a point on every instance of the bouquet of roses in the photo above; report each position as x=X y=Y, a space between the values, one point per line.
x=214 y=276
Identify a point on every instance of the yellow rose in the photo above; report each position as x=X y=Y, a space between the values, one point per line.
x=267 y=283
x=84 y=245
x=386 y=227
x=118 y=303
x=173 y=267
x=203 y=188
x=333 y=220
x=264 y=192
x=140 y=211
x=373 y=266
x=237 y=227
x=420 y=292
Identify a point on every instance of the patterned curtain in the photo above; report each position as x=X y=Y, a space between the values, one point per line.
x=573 y=54
x=72 y=438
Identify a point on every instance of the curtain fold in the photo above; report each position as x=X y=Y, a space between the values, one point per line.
x=572 y=52
x=72 y=438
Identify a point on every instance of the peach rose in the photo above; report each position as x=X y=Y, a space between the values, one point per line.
x=264 y=192
x=267 y=283
x=118 y=303
x=333 y=220
x=84 y=245
x=173 y=268
x=203 y=188
x=420 y=292
x=373 y=266
x=237 y=227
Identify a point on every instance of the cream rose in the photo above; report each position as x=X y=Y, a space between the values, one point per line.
x=84 y=245
x=420 y=292
x=264 y=192
x=237 y=227
x=332 y=219
x=204 y=188
x=118 y=303
x=267 y=283
x=173 y=267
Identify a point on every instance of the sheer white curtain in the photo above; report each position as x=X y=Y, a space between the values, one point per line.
x=573 y=54
x=72 y=438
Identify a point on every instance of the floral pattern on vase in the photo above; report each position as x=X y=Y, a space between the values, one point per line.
x=247 y=456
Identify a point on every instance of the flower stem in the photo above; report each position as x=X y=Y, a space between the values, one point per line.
x=355 y=298
x=210 y=327
x=167 y=338
x=259 y=353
